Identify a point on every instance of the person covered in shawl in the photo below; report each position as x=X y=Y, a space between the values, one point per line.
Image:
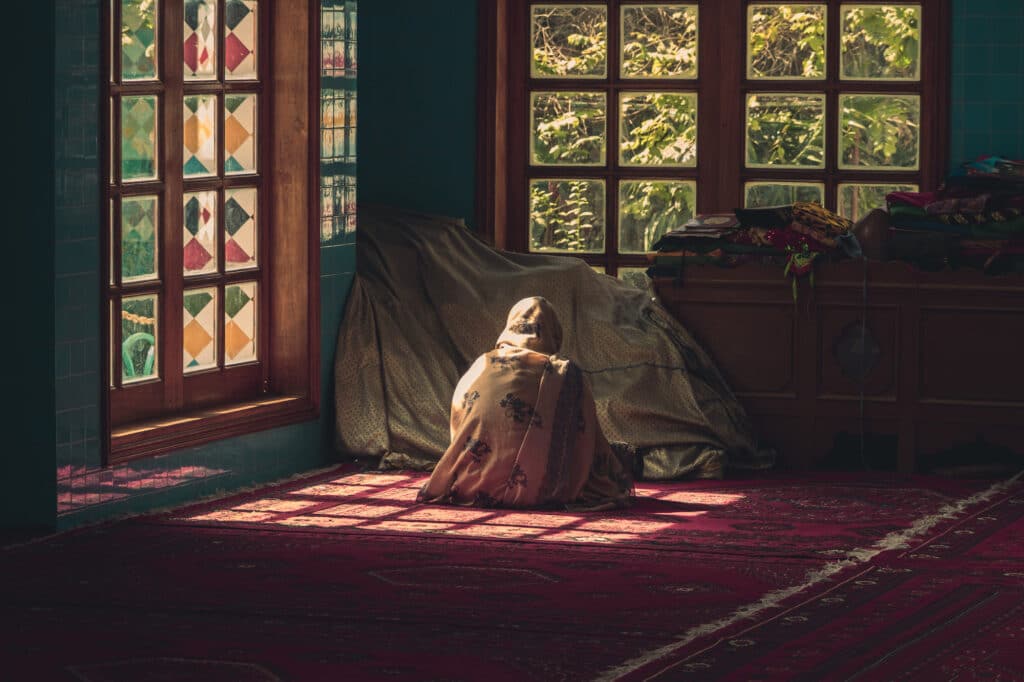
x=524 y=429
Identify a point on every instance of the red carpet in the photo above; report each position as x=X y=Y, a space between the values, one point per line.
x=343 y=577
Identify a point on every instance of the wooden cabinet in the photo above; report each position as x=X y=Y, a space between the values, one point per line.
x=926 y=361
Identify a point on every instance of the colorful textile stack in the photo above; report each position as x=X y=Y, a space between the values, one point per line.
x=789 y=236
x=976 y=218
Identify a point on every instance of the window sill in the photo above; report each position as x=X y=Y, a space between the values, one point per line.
x=146 y=439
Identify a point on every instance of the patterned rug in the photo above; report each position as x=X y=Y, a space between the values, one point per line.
x=342 y=576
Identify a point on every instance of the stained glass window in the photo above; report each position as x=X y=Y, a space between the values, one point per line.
x=338 y=118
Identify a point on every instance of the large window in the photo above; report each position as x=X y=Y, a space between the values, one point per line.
x=626 y=118
x=207 y=241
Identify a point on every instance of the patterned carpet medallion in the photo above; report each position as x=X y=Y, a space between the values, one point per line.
x=343 y=576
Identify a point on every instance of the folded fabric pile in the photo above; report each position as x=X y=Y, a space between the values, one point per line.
x=792 y=237
x=976 y=219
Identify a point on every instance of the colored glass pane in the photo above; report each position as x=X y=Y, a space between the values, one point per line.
x=658 y=129
x=240 y=323
x=786 y=41
x=199 y=333
x=785 y=130
x=880 y=42
x=138 y=238
x=200 y=48
x=200 y=135
x=199 y=235
x=856 y=200
x=568 y=128
x=879 y=132
x=650 y=208
x=139 y=39
x=659 y=41
x=239 y=133
x=240 y=228
x=760 y=194
x=138 y=137
x=569 y=41
x=567 y=215
x=240 y=31
x=139 y=338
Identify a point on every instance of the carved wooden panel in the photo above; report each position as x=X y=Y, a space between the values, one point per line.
x=854 y=352
x=753 y=343
x=972 y=354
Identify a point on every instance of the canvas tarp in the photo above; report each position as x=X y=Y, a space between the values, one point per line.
x=429 y=297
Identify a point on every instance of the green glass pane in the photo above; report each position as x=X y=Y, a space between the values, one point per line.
x=240 y=316
x=568 y=128
x=138 y=238
x=650 y=208
x=139 y=338
x=659 y=41
x=858 y=199
x=881 y=42
x=200 y=48
x=138 y=137
x=567 y=215
x=786 y=41
x=879 y=131
x=658 y=129
x=199 y=135
x=786 y=130
x=636 y=277
x=199 y=331
x=569 y=41
x=239 y=134
x=760 y=194
x=138 y=39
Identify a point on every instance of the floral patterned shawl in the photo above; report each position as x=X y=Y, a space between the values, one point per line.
x=524 y=430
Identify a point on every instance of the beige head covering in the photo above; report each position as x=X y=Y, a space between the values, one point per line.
x=533 y=324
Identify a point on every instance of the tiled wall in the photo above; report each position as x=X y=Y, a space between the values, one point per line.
x=85 y=491
x=987 y=95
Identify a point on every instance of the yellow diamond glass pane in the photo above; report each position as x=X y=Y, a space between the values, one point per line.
x=880 y=42
x=239 y=134
x=761 y=194
x=200 y=47
x=568 y=128
x=199 y=135
x=240 y=319
x=879 y=132
x=139 y=338
x=199 y=234
x=138 y=137
x=241 y=29
x=659 y=41
x=199 y=330
x=139 y=39
x=786 y=41
x=567 y=215
x=785 y=130
x=650 y=208
x=569 y=41
x=139 y=238
x=658 y=129
x=240 y=232
x=855 y=200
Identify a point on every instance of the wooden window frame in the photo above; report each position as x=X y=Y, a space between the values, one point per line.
x=175 y=410
x=503 y=86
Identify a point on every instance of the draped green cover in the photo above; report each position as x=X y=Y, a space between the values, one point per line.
x=429 y=297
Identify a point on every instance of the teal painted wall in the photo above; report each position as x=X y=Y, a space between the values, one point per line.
x=26 y=466
x=987 y=89
x=417 y=105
